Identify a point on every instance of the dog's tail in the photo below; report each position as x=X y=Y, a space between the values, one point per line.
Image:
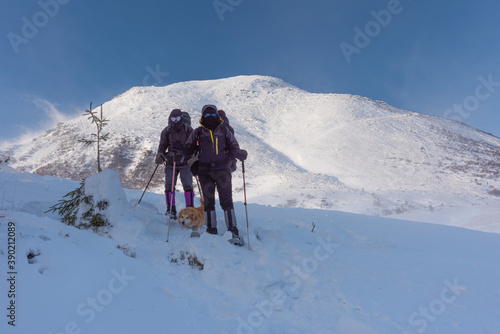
x=202 y=201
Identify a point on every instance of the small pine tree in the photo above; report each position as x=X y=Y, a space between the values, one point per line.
x=68 y=208
x=100 y=123
x=78 y=207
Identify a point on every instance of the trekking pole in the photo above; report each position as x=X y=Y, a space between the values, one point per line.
x=198 y=183
x=170 y=199
x=147 y=185
x=245 y=195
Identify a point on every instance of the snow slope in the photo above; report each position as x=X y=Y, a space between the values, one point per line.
x=328 y=151
x=308 y=271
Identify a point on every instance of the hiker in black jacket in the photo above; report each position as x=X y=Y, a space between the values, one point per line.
x=172 y=140
x=216 y=147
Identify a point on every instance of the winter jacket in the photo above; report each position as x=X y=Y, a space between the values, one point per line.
x=172 y=140
x=216 y=148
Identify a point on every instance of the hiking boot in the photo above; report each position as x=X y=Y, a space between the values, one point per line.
x=230 y=219
x=172 y=212
x=211 y=222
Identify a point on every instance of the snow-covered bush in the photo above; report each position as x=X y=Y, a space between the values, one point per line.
x=88 y=205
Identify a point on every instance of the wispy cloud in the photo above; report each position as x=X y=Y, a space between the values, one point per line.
x=53 y=116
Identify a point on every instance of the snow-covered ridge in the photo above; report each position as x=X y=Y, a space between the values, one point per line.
x=329 y=151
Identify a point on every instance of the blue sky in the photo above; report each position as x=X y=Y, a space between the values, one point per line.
x=433 y=57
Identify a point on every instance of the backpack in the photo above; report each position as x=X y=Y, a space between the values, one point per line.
x=222 y=114
x=186 y=118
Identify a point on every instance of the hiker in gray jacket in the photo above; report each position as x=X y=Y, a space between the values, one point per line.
x=172 y=140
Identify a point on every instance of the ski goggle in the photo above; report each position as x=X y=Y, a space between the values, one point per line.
x=176 y=118
x=208 y=115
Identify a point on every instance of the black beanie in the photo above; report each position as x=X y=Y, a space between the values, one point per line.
x=175 y=113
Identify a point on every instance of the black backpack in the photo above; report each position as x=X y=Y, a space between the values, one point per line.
x=223 y=116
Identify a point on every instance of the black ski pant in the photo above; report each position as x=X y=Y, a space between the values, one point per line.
x=220 y=180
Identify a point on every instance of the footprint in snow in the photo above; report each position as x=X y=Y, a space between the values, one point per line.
x=32 y=254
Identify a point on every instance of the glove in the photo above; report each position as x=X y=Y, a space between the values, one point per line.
x=159 y=158
x=242 y=155
x=233 y=165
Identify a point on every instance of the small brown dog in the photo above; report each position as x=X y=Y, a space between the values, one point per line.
x=191 y=217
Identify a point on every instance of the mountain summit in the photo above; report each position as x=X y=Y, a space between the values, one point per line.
x=329 y=151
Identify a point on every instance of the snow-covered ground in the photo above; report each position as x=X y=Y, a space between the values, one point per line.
x=308 y=271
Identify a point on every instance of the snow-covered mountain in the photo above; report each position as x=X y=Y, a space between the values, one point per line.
x=328 y=151
x=345 y=274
